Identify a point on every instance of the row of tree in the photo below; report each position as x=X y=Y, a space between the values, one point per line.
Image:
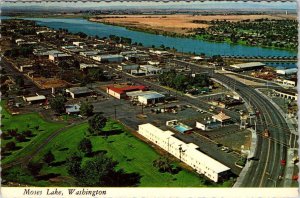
x=183 y=82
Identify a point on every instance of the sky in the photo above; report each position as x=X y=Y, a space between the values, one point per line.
x=157 y=5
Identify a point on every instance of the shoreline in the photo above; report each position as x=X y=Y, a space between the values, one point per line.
x=178 y=35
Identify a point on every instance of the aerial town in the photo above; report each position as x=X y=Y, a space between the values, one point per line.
x=148 y=116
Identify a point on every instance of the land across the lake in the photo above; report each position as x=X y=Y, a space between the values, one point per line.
x=243 y=29
x=178 y=23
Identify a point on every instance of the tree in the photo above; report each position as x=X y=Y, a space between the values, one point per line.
x=96 y=74
x=96 y=123
x=98 y=171
x=20 y=138
x=27 y=133
x=85 y=146
x=12 y=132
x=34 y=168
x=74 y=165
x=58 y=104
x=49 y=157
x=10 y=146
x=86 y=109
x=163 y=164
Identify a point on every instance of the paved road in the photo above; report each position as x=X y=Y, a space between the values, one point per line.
x=269 y=151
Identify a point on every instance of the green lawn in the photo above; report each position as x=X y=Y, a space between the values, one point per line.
x=24 y=122
x=132 y=154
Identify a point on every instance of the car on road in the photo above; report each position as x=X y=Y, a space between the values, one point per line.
x=283 y=162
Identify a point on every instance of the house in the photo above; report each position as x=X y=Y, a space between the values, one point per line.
x=188 y=153
x=76 y=92
x=35 y=99
x=72 y=109
x=120 y=91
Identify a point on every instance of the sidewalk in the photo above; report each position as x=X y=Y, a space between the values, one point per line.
x=242 y=175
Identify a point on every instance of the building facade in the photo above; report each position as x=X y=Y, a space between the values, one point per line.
x=188 y=153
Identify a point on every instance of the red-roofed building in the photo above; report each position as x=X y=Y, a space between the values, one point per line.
x=120 y=91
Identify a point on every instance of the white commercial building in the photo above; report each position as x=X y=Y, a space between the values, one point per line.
x=111 y=58
x=248 y=66
x=151 y=98
x=287 y=71
x=188 y=153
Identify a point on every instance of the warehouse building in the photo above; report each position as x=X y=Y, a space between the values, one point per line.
x=128 y=68
x=287 y=71
x=248 y=66
x=88 y=53
x=111 y=58
x=76 y=92
x=120 y=91
x=59 y=57
x=189 y=153
x=151 y=98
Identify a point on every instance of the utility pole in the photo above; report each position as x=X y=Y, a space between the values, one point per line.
x=115 y=106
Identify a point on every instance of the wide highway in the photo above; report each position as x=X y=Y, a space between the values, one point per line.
x=266 y=169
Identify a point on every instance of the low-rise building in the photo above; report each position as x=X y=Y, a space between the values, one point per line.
x=78 y=43
x=151 y=98
x=248 y=66
x=72 y=109
x=59 y=57
x=128 y=68
x=188 y=153
x=35 y=99
x=150 y=70
x=76 y=92
x=287 y=93
x=222 y=118
x=111 y=58
x=287 y=71
x=120 y=91
x=88 y=53
x=84 y=66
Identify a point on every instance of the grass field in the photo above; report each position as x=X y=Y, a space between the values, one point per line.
x=25 y=122
x=132 y=154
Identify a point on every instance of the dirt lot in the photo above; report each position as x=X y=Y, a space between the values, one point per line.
x=180 y=23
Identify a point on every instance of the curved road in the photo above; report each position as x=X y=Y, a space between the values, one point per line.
x=270 y=151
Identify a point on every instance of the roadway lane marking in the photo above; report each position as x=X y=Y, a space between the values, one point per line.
x=269 y=145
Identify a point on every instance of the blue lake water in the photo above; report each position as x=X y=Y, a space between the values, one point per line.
x=181 y=44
